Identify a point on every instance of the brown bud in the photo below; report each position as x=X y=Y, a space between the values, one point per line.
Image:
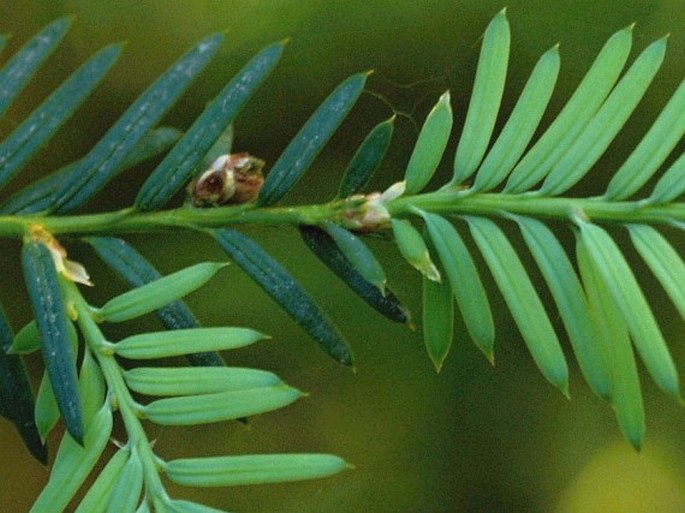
x=235 y=178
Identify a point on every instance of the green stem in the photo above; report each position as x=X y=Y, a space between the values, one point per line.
x=442 y=202
x=498 y=204
x=117 y=387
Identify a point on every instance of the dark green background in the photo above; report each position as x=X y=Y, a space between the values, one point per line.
x=473 y=438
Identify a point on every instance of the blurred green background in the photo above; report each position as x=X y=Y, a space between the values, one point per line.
x=473 y=438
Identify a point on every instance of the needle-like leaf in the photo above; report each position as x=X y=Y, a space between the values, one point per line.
x=73 y=463
x=522 y=122
x=571 y=121
x=485 y=99
x=522 y=299
x=178 y=166
x=44 y=122
x=367 y=159
x=177 y=342
x=623 y=288
x=359 y=255
x=202 y=409
x=323 y=246
x=613 y=339
x=37 y=196
x=286 y=291
x=42 y=282
x=18 y=71
x=98 y=495
x=603 y=127
x=568 y=294
x=663 y=260
x=253 y=469
x=109 y=154
x=126 y=491
x=413 y=248
x=429 y=146
x=170 y=381
x=438 y=318
x=47 y=410
x=158 y=293
x=92 y=386
x=653 y=149
x=672 y=184
x=310 y=140
x=136 y=271
x=27 y=340
x=464 y=280
x=16 y=399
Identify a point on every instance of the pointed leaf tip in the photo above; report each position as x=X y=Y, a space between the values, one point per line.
x=613 y=339
x=286 y=291
x=413 y=248
x=367 y=159
x=252 y=469
x=522 y=300
x=437 y=316
x=324 y=247
x=568 y=294
x=625 y=291
x=310 y=140
x=463 y=279
x=156 y=294
x=485 y=99
x=165 y=344
x=521 y=125
x=430 y=146
x=565 y=390
x=548 y=151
